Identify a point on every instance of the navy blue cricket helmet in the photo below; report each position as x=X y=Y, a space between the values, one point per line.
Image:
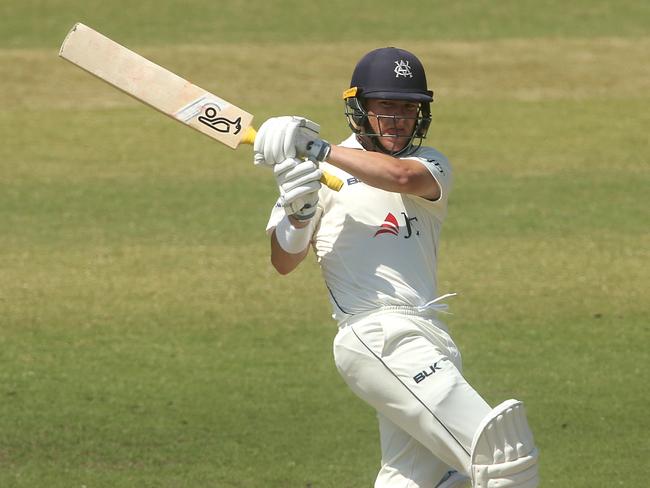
x=388 y=73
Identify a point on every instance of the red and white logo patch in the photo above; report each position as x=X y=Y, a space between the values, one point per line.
x=390 y=226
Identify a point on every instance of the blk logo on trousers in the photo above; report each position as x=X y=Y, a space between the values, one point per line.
x=423 y=375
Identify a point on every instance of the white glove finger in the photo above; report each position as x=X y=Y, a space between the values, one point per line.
x=261 y=143
x=298 y=170
x=281 y=137
x=258 y=143
x=271 y=137
x=268 y=142
x=284 y=166
x=280 y=145
x=304 y=180
x=259 y=160
x=300 y=192
x=289 y=138
x=262 y=133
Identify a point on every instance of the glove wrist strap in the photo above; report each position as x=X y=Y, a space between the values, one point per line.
x=293 y=240
x=318 y=150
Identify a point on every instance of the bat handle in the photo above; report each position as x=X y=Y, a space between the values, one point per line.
x=330 y=181
x=249 y=136
x=327 y=179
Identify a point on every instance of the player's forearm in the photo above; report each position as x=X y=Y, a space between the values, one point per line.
x=284 y=262
x=384 y=171
x=290 y=228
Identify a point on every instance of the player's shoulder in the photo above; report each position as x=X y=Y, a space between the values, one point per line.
x=429 y=153
x=433 y=159
x=351 y=142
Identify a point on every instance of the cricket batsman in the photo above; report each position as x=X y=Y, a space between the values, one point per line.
x=376 y=241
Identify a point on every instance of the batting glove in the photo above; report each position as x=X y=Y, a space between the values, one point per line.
x=285 y=137
x=298 y=182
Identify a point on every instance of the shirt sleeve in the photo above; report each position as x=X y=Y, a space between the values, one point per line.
x=439 y=167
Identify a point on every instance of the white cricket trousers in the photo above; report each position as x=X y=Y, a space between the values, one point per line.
x=405 y=365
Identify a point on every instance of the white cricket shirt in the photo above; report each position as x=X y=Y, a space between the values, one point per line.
x=377 y=248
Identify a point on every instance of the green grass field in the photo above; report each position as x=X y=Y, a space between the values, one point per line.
x=145 y=340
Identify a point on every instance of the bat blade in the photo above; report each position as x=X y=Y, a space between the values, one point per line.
x=154 y=85
x=163 y=90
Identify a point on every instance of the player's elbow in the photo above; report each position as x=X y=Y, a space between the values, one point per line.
x=405 y=175
x=402 y=180
x=284 y=263
x=282 y=266
x=416 y=184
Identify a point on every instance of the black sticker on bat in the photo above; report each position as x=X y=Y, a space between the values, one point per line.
x=220 y=124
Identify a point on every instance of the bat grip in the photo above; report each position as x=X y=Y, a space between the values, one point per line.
x=249 y=136
x=329 y=180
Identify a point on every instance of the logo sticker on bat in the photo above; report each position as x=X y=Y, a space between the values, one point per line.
x=220 y=124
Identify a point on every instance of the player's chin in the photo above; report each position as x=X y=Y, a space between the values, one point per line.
x=394 y=144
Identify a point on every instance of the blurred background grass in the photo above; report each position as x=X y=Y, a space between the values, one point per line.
x=36 y=23
x=144 y=338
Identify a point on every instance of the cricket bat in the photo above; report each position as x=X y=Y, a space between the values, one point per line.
x=163 y=90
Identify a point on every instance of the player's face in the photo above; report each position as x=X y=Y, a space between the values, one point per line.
x=394 y=120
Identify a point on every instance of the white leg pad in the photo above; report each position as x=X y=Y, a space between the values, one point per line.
x=503 y=450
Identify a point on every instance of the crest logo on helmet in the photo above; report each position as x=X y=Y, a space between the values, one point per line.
x=403 y=69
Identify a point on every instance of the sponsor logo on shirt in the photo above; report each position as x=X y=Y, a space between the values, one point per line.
x=392 y=227
x=437 y=165
x=353 y=181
